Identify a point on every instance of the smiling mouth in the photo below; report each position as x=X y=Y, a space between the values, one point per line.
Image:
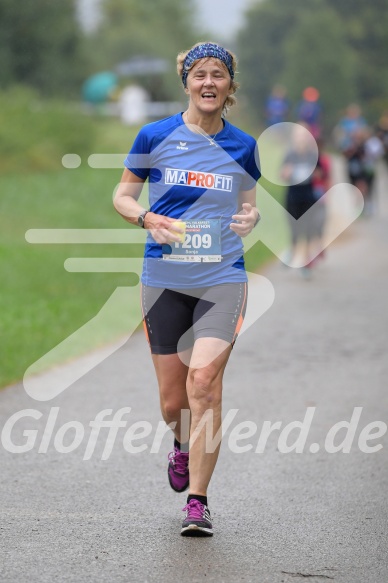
x=208 y=95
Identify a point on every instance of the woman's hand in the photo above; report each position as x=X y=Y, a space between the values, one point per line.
x=163 y=229
x=247 y=219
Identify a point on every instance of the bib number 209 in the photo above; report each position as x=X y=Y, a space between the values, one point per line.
x=202 y=243
x=196 y=241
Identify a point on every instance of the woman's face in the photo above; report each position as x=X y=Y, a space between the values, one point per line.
x=208 y=85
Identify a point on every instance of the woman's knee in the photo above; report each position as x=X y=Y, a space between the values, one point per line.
x=204 y=389
x=172 y=407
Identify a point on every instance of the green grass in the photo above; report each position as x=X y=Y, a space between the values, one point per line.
x=35 y=134
x=41 y=304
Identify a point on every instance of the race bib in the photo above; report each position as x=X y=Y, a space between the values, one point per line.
x=202 y=243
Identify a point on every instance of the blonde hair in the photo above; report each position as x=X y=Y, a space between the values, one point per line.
x=230 y=100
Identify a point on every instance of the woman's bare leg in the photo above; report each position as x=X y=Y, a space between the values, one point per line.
x=171 y=374
x=204 y=392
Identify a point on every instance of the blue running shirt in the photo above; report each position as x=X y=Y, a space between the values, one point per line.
x=191 y=179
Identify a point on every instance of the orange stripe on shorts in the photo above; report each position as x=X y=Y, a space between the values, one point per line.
x=142 y=312
x=241 y=317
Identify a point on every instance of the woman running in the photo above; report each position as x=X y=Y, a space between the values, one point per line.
x=202 y=173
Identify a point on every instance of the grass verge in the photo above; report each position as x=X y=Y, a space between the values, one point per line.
x=42 y=304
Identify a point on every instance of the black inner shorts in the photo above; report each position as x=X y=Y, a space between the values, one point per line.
x=175 y=318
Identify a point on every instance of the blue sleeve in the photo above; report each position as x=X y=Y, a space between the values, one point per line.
x=138 y=157
x=252 y=168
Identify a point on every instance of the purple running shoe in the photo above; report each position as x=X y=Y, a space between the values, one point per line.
x=197 y=521
x=178 y=470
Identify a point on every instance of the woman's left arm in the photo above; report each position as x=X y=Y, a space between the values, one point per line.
x=249 y=216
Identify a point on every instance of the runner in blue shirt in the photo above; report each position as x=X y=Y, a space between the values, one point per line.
x=277 y=106
x=202 y=174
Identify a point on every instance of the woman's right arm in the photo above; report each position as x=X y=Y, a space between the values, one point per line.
x=127 y=194
x=125 y=202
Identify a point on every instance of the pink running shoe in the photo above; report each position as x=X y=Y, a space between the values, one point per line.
x=178 y=470
x=197 y=521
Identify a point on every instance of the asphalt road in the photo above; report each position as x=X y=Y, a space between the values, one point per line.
x=278 y=517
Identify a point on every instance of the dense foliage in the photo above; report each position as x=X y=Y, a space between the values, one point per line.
x=41 y=46
x=338 y=46
x=151 y=28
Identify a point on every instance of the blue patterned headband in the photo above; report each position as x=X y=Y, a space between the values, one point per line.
x=203 y=51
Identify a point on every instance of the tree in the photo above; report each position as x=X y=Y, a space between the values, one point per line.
x=261 y=48
x=40 y=45
x=153 y=28
x=364 y=26
x=338 y=45
x=316 y=53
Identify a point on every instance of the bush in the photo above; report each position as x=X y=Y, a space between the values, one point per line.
x=35 y=134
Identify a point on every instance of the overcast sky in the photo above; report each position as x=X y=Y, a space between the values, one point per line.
x=222 y=18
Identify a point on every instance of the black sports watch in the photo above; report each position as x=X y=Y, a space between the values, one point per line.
x=140 y=219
